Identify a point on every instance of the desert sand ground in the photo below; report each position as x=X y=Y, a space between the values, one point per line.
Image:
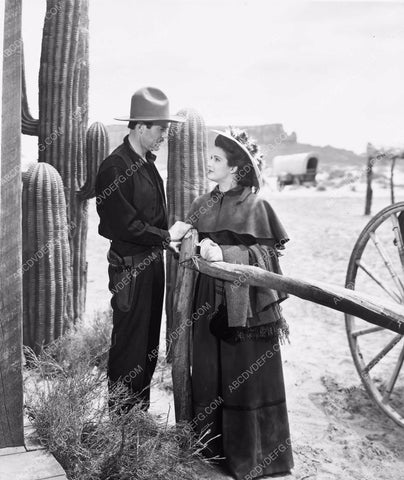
x=337 y=431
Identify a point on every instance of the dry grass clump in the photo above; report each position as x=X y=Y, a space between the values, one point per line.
x=67 y=401
x=85 y=343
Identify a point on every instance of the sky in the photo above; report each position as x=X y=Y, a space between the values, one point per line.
x=333 y=72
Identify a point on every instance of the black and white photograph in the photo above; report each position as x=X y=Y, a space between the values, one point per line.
x=201 y=240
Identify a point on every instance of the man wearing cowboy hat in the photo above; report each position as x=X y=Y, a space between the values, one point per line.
x=133 y=216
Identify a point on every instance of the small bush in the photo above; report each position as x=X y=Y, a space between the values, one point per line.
x=67 y=401
x=86 y=342
x=336 y=173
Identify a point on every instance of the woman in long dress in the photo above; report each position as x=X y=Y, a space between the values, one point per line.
x=237 y=379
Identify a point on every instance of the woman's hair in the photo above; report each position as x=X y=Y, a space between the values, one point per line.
x=237 y=158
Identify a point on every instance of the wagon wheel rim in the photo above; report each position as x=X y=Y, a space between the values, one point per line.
x=384 y=394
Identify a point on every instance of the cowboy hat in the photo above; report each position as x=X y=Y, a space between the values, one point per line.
x=253 y=161
x=150 y=104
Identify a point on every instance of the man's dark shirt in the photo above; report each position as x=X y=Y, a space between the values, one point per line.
x=131 y=201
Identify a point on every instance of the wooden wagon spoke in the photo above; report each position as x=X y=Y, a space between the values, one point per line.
x=393 y=379
x=373 y=276
x=365 y=331
x=394 y=376
x=387 y=262
x=390 y=365
x=398 y=237
x=383 y=352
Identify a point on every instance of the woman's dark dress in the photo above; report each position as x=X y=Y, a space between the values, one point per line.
x=238 y=392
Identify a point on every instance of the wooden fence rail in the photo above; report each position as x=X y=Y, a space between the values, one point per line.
x=373 y=310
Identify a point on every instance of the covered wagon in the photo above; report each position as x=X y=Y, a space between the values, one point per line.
x=297 y=168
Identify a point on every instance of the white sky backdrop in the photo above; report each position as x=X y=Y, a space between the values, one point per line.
x=331 y=71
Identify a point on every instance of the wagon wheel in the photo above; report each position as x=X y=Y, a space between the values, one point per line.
x=376 y=267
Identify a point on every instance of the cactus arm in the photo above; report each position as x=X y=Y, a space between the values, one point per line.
x=46 y=256
x=29 y=125
x=97 y=150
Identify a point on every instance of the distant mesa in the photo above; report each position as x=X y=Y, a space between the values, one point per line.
x=273 y=141
x=271 y=134
x=269 y=137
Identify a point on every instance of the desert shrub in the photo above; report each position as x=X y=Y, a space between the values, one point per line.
x=67 y=401
x=85 y=344
x=336 y=173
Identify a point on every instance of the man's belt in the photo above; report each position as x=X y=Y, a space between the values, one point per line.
x=131 y=262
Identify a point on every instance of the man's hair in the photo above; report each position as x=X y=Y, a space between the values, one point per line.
x=161 y=123
x=133 y=124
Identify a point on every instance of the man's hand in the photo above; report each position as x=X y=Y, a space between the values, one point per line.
x=178 y=230
x=174 y=247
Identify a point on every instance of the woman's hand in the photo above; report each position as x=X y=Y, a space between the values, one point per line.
x=211 y=251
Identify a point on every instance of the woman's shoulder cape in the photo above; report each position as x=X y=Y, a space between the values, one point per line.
x=240 y=211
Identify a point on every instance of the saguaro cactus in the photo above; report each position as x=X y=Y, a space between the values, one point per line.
x=46 y=256
x=63 y=117
x=186 y=180
x=62 y=124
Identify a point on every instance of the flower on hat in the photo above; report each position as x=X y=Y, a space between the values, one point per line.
x=248 y=142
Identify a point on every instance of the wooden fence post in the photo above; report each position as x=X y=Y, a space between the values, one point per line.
x=369 y=175
x=11 y=393
x=393 y=164
x=180 y=335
